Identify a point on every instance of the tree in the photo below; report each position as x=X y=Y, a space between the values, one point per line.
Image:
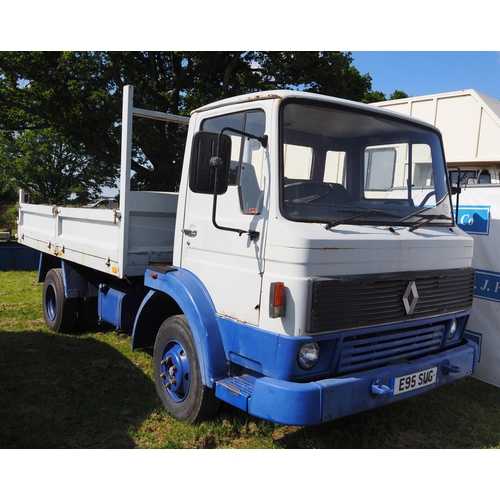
x=50 y=169
x=44 y=97
x=398 y=94
x=329 y=73
x=8 y=188
x=74 y=100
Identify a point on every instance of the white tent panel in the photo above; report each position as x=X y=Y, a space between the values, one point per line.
x=424 y=110
x=458 y=119
x=489 y=138
x=468 y=120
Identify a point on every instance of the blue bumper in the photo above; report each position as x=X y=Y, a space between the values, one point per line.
x=310 y=403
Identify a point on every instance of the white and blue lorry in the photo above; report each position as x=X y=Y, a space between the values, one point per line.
x=309 y=267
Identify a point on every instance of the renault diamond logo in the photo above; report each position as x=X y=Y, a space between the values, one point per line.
x=410 y=297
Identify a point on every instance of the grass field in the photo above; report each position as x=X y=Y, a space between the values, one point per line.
x=91 y=391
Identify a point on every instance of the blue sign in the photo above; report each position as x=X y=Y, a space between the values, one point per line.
x=474 y=219
x=487 y=285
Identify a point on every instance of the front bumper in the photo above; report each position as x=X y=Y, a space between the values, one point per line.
x=310 y=403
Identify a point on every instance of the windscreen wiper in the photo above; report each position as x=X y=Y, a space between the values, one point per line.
x=427 y=219
x=357 y=215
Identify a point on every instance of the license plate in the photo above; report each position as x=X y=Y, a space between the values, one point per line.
x=413 y=381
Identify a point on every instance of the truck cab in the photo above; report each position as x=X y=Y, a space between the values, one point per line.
x=337 y=191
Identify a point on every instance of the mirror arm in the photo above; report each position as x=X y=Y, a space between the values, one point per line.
x=216 y=163
x=261 y=138
x=457 y=190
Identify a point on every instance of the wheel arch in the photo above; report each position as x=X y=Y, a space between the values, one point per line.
x=181 y=292
x=45 y=264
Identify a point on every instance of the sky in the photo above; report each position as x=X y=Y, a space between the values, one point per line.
x=424 y=73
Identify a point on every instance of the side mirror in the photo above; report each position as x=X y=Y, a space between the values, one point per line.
x=202 y=172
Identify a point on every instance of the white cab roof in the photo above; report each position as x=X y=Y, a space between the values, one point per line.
x=284 y=94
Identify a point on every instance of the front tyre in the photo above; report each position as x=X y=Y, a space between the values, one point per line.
x=177 y=373
x=59 y=312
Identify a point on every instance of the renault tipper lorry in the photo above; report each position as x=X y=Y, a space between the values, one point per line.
x=309 y=267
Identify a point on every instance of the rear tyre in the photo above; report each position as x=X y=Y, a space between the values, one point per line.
x=59 y=312
x=177 y=373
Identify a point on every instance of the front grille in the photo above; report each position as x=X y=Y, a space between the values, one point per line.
x=362 y=352
x=348 y=302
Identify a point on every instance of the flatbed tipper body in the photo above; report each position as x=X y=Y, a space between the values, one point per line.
x=122 y=242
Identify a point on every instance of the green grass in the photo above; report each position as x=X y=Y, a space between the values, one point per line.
x=92 y=391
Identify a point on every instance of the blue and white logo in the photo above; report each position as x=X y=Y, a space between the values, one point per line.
x=474 y=219
x=487 y=285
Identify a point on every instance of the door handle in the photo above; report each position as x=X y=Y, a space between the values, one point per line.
x=192 y=231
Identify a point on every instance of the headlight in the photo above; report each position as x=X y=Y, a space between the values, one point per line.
x=453 y=329
x=308 y=355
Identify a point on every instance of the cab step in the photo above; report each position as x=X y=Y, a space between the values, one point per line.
x=236 y=390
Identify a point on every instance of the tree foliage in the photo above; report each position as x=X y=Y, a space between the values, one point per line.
x=60 y=112
x=47 y=167
x=398 y=94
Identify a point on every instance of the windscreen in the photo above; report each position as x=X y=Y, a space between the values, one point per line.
x=343 y=165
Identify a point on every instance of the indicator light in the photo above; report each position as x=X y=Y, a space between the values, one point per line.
x=277 y=302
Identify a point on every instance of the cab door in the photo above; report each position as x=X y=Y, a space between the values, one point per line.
x=224 y=256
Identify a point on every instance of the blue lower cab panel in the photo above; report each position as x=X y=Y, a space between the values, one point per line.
x=311 y=403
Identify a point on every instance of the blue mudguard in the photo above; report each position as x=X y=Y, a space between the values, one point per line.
x=179 y=291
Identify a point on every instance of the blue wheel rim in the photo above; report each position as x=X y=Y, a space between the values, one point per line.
x=51 y=303
x=175 y=371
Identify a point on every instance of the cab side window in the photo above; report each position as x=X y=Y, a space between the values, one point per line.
x=247 y=156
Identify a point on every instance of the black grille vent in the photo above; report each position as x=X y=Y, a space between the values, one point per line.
x=350 y=302
x=362 y=352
